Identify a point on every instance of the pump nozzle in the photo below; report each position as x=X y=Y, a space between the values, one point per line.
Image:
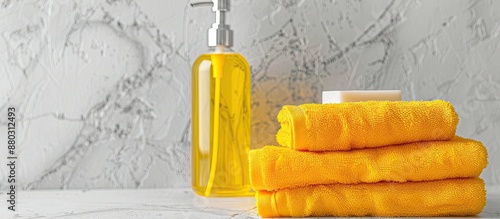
x=196 y=4
x=220 y=34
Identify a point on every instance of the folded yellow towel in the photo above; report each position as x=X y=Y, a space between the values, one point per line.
x=346 y=126
x=452 y=197
x=273 y=168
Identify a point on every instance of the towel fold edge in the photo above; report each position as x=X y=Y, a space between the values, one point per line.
x=297 y=120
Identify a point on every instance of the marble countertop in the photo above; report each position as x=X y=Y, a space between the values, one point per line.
x=149 y=203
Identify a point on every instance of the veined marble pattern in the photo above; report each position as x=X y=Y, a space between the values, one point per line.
x=161 y=203
x=103 y=87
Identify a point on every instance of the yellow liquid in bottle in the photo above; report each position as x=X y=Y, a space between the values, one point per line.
x=221 y=132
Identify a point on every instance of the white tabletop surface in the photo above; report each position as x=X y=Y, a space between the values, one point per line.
x=148 y=203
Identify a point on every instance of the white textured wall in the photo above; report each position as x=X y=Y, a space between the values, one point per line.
x=103 y=87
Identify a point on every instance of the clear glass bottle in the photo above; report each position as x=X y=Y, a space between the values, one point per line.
x=221 y=116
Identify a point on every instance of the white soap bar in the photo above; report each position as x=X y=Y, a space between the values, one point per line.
x=360 y=95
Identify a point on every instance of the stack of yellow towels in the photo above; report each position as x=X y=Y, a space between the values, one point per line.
x=374 y=158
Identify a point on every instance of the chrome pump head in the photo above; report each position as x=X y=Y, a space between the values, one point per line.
x=220 y=34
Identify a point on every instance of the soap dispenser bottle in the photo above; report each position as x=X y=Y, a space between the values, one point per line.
x=220 y=114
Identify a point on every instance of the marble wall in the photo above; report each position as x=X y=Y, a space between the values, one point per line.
x=103 y=87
